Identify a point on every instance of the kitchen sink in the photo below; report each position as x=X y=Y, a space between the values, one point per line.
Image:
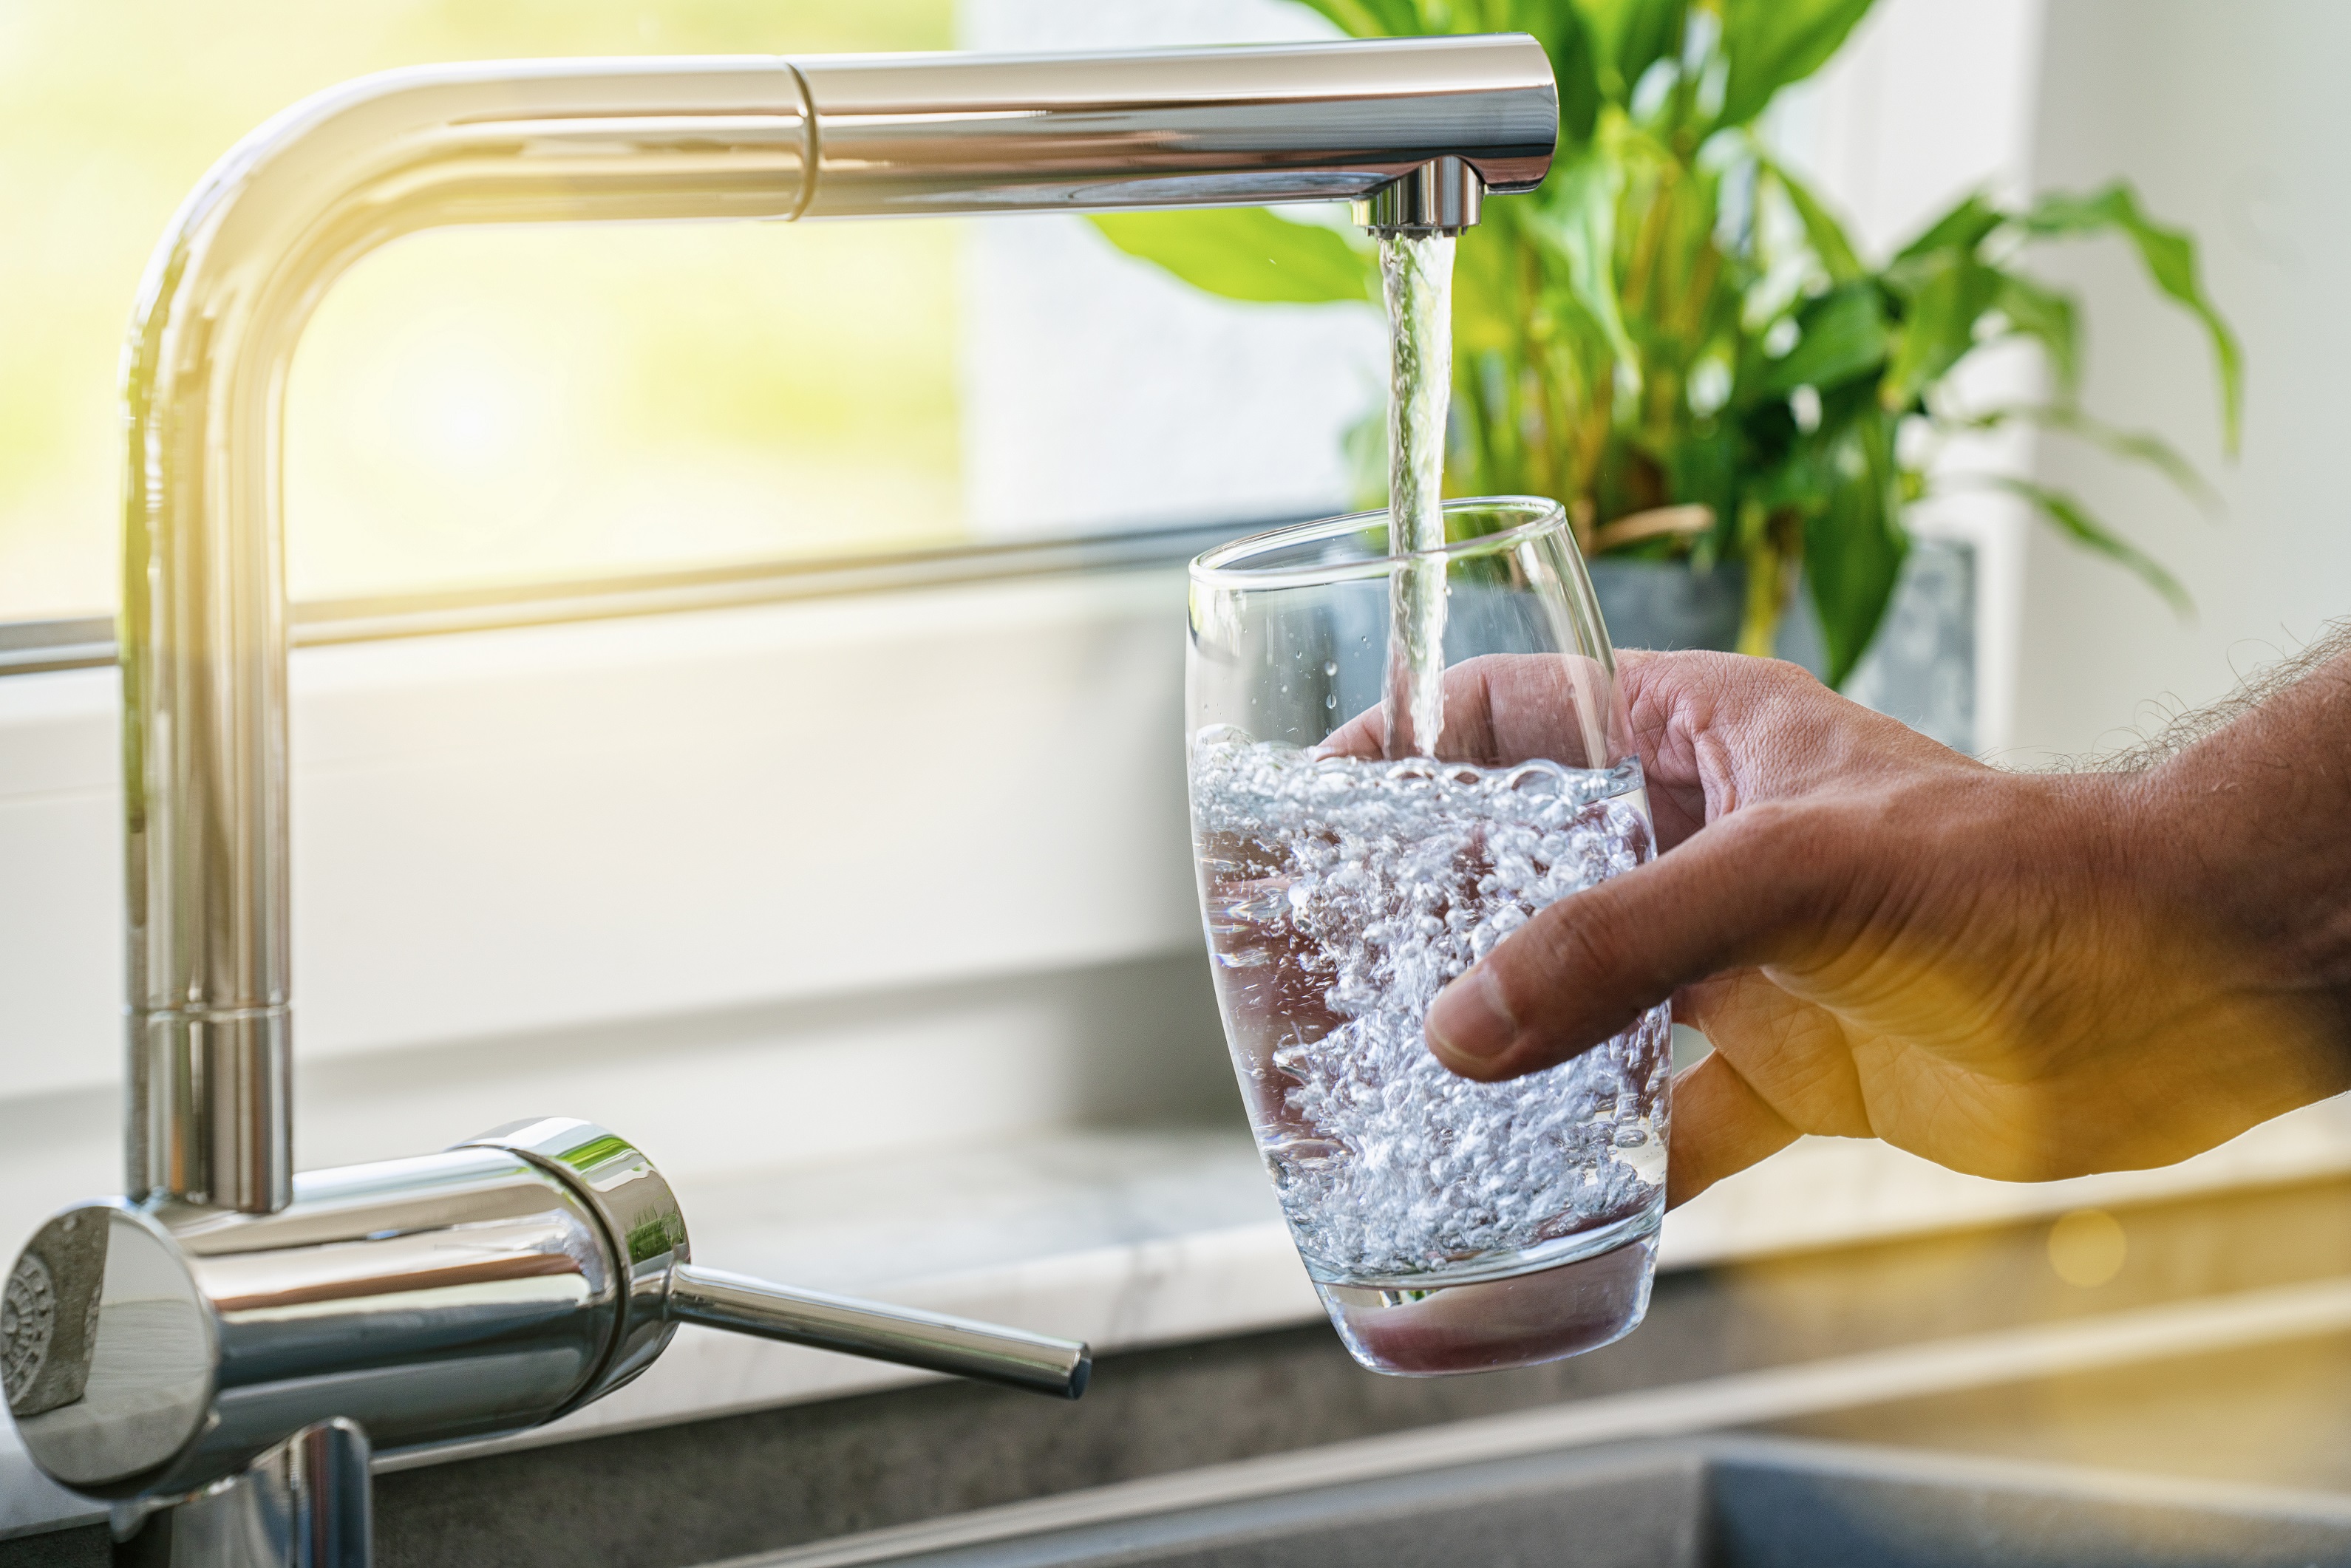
x=1931 y=1399
x=1711 y=1502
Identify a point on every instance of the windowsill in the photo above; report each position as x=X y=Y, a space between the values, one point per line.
x=1139 y=1237
x=1187 y=1245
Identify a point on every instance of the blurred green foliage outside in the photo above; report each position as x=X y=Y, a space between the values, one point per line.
x=478 y=406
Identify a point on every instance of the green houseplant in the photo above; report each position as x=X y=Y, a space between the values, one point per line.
x=1677 y=338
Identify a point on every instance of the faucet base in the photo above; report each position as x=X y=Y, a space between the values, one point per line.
x=211 y=1119
x=306 y=1503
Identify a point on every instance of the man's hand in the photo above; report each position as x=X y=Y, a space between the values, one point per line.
x=2024 y=975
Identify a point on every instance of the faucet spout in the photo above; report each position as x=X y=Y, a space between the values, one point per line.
x=1176 y=128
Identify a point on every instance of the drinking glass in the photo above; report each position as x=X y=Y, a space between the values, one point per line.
x=1450 y=1226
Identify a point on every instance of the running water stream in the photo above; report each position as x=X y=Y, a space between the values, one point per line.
x=1417 y=279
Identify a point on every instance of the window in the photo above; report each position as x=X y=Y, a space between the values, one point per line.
x=480 y=407
x=484 y=409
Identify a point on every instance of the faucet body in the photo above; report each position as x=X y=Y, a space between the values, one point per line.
x=513 y=1278
x=484 y=1289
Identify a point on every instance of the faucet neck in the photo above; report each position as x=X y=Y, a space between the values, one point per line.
x=204 y=629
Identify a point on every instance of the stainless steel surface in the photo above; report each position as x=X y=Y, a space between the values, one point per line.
x=157 y=1351
x=305 y=1503
x=1174 y=128
x=204 y=623
x=329 y=1495
x=203 y=618
x=644 y=1233
x=31 y=647
x=1717 y=1501
x=1036 y=1363
x=208 y=1110
x=142 y=1378
x=449 y=1296
x=1445 y=194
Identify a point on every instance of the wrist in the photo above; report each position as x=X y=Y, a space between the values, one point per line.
x=2257 y=860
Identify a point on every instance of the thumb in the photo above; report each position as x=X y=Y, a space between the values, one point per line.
x=1747 y=890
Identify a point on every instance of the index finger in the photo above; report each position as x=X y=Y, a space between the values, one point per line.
x=1717 y=732
x=1502 y=709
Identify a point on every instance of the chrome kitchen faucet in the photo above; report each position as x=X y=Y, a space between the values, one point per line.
x=217 y=1353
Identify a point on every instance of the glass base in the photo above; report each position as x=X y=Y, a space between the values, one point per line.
x=1490 y=1326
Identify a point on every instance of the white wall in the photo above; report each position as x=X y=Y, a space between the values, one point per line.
x=1929 y=100
x=2232 y=119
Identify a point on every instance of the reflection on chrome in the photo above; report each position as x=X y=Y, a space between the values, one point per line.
x=491 y=1287
x=128 y=1393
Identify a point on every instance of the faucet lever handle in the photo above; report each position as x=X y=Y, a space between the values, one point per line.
x=933 y=1341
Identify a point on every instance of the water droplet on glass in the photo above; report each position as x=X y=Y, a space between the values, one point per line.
x=1330 y=666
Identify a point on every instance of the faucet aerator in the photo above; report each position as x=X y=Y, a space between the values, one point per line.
x=1444 y=196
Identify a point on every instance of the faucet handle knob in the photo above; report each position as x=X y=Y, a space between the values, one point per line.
x=662 y=1287
x=933 y=1341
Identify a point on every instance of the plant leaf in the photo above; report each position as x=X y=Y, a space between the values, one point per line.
x=2074 y=521
x=1823 y=231
x=1490 y=310
x=1577 y=222
x=2169 y=256
x=1964 y=227
x=1843 y=336
x=2132 y=445
x=2050 y=316
x=1247 y=253
x=1854 y=545
x=1628 y=36
x=1374 y=18
x=1944 y=294
x=1560 y=27
x=1771 y=43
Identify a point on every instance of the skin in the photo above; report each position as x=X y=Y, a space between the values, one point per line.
x=2021 y=976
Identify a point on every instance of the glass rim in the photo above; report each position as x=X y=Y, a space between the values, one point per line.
x=1215 y=569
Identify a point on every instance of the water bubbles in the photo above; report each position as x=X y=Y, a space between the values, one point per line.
x=1394 y=878
x=1330 y=666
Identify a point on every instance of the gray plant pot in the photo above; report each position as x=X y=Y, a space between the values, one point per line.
x=1921 y=669
x=1667 y=605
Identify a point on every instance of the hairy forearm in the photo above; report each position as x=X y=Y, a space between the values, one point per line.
x=2247 y=807
x=2025 y=977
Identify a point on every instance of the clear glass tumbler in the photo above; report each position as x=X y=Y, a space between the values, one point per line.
x=1450 y=1225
